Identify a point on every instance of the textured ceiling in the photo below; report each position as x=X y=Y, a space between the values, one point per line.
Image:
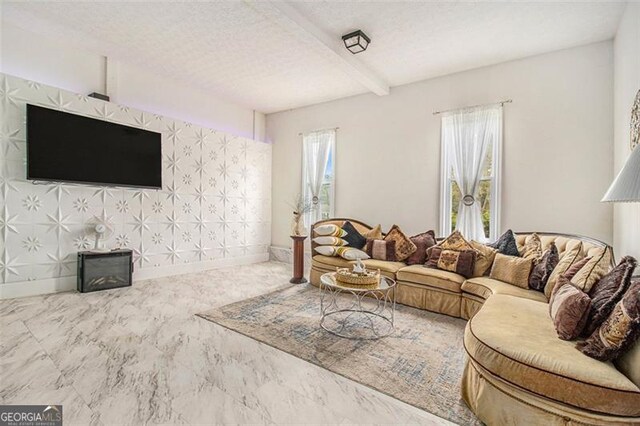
x=414 y=41
x=232 y=50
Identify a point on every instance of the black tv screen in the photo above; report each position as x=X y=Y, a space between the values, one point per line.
x=66 y=147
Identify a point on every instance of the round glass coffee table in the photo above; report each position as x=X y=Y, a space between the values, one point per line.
x=355 y=312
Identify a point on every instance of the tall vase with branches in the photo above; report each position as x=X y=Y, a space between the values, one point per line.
x=300 y=208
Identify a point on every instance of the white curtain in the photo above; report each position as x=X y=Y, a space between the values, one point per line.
x=315 y=153
x=467 y=135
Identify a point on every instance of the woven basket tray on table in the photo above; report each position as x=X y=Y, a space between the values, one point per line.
x=348 y=278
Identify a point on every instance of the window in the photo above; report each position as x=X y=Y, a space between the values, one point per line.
x=318 y=174
x=470 y=183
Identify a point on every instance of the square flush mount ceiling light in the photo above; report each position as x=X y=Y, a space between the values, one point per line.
x=356 y=41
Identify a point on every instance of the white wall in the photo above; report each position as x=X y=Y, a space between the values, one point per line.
x=626 y=224
x=202 y=217
x=237 y=228
x=558 y=136
x=62 y=64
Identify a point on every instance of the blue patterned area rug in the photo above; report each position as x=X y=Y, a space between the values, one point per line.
x=421 y=363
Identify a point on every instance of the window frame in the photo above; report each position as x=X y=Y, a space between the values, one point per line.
x=446 y=183
x=331 y=182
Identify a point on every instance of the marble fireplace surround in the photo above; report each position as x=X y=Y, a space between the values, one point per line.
x=214 y=208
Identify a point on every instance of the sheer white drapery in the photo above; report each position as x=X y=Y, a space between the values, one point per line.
x=467 y=134
x=316 y=148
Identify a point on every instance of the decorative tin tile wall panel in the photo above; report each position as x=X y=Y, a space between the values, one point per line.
x=215 y=200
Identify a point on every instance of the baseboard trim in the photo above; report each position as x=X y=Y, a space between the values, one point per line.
x=58 y=285
x=36 y=287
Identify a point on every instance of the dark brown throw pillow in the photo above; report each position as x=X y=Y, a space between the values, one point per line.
x=608 y=291
x=619 y=331
x=423 y=242
x=381 y=249
x=569 y=309
x=506 y=244
x=460 y=262
x=543 y=269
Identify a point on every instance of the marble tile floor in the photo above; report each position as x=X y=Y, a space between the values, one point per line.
x=140 y=356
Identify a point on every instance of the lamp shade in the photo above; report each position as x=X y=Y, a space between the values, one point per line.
x=626 y=186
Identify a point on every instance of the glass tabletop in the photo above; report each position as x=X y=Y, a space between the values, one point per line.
x=329 y=280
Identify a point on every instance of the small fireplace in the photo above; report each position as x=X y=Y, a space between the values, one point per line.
x=102 y=271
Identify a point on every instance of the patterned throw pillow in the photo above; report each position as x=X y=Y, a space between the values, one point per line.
x=484 y=259
x=456 y=242
x=375 y=233
x=423 y=242
x=569 y=309
x=512 y=270
x=404 y=246
x=568 y=258
x=353 y=237
x=329 y=230
x=608 y=291
x=593 y=270
x=532 y=248
x=542 y=270
x=619 y=331
x=330 y=241
x=381 y=249
x=506 y=244
x=460 y=262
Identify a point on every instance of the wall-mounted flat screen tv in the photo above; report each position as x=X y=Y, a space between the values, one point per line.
x=64 y=147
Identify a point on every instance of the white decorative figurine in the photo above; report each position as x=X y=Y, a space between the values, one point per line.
x=359 y=267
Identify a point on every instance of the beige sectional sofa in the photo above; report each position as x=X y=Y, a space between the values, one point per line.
x=517 y=370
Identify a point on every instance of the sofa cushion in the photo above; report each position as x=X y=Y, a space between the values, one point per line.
x=437 y=278
x=381 y=250
x=374 y=233
x=422 y=241
x=512 y=269
x=330 y=262
x=484 y=259
x=506 y=244
x=608 y=291
x=593 y=270
x=404 y=246
x=619 y=331
x=330 y=241
x=514 y=339
x=542 y=270
x=455 y=241
x=348 y=253
x=352 y=236
x=329 y=230
x=383 y=265
x=567 y=258
x=484 y=287
x=532 y=248
x=461 y=262
x=569 y=308
x=629 y=363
